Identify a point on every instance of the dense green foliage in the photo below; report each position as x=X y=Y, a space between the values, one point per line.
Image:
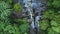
x=20 y=26
x=51 y=22
x=49 y=25
x=4 y=10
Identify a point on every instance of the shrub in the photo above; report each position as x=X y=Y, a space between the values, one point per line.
x=17 y=7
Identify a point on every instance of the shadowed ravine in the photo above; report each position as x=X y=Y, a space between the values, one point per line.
x=32 y=10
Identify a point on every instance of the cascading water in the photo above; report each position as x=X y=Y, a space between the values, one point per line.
x=28 y=6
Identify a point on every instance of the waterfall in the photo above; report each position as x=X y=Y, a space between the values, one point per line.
x=28 y=6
